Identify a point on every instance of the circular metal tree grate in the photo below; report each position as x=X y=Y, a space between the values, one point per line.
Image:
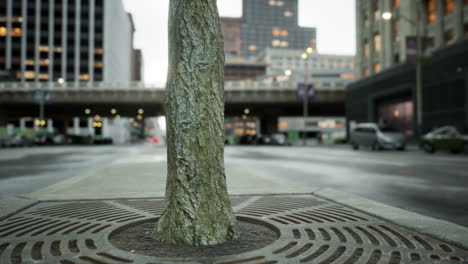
x=312 y=230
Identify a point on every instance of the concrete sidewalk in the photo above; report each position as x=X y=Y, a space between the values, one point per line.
x=142 y=175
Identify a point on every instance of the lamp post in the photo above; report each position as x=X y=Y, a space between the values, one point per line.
x=419 y=53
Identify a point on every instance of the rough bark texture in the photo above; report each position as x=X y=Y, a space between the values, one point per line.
x=197 y=207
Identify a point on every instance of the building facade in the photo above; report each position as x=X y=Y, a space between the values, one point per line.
x=324 y=71
x=65 y=40
x=231 y=27
x=273 y=23
x=382 y=43
x=243 y=69
x=387 y=94
x=137 y=65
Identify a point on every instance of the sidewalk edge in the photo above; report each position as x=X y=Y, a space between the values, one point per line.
x=12 y=206
x=439 y=229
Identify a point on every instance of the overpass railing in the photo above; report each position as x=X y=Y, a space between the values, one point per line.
x=30 y=86
x=83 y=86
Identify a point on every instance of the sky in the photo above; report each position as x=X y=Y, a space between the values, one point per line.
x=333 y=19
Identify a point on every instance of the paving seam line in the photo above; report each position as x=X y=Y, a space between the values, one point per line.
x=13 y=206
x=439 y=229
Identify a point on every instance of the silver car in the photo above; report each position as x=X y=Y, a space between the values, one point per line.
x=369 y=134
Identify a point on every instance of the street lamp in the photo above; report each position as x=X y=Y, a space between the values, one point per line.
x=61 y=80
x=419 y=53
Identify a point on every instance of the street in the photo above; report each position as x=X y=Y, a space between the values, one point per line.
x=432 y=185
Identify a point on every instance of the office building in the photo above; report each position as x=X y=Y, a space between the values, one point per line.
x=137 y=65
x=324 y=71
x=231 y=28
x=243 y=69
x=66 y=40
x=387 y=93
x=383 y=43
x=273 y=23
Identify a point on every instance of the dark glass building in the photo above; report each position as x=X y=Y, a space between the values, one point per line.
x=273 y=23
x=65 y=40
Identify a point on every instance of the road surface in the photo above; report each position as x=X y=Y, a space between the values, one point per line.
x=432 y=185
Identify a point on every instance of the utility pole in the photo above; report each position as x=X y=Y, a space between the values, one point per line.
x=306 y=113
x=420 y=55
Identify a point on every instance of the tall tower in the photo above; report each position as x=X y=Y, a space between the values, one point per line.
x=70 y=40
x=273 y=23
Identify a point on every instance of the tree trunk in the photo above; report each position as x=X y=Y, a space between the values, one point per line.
x=197 y=207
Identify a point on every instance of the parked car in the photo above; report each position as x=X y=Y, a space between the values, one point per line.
x=277 y=139
x=16 y=141
x=369 y=134
x=444 y=138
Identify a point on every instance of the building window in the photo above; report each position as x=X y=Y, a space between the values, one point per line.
x=449 y=6
x=466 y=2
x=377 y=43
x=396 y=30
x=377 y=68
x=98 y=64
x=449 y=38
x=366 y=48
x=84 y=77
x=366 y=18
x=3 y=31
x=466 y=30
x=288 y=14
x=431 y=11
x=99 y=51
x=366 y=71
x=277 y=32
x=396 y=3
x=376 y=13
x=252 y=47
x=43 y=76
x=276 y=3
x=16 y=32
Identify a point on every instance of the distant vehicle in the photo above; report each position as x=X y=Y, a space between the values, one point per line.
x=16 y=141
x=154 y=140
x=277 y=139
x=444 y=138
x=369 y=134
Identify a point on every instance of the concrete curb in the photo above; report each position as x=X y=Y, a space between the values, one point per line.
x=12 y=206
x=440 y=229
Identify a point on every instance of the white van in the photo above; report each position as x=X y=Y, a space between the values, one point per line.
x=369 y=134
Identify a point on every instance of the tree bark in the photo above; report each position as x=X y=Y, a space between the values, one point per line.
x=197 y=206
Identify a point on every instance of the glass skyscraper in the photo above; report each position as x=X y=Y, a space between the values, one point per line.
x=273 y=23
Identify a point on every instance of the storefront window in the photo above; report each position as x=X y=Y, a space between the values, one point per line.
x=449 y=38
x=397 y=116
x=377 y=67
x=396 y=3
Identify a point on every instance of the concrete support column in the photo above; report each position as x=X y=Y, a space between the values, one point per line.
x=439 y=24
x=387 y=36
x=8 y=36
x=76 y=125
x=64 y=39
x=466 y=98
x=24 y=37
x=106 y=131
x=269 y=123
x=51 y=40
x=22 y=124
x=35 y=126
x=37 y=39
x=50 y=125
x=3 y=118
x=458 y=19
x=90 y=127
x=359 y=41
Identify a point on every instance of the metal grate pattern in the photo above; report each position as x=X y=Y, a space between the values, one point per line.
x=312 y=230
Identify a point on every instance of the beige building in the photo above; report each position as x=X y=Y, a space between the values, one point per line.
x=381 y=43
